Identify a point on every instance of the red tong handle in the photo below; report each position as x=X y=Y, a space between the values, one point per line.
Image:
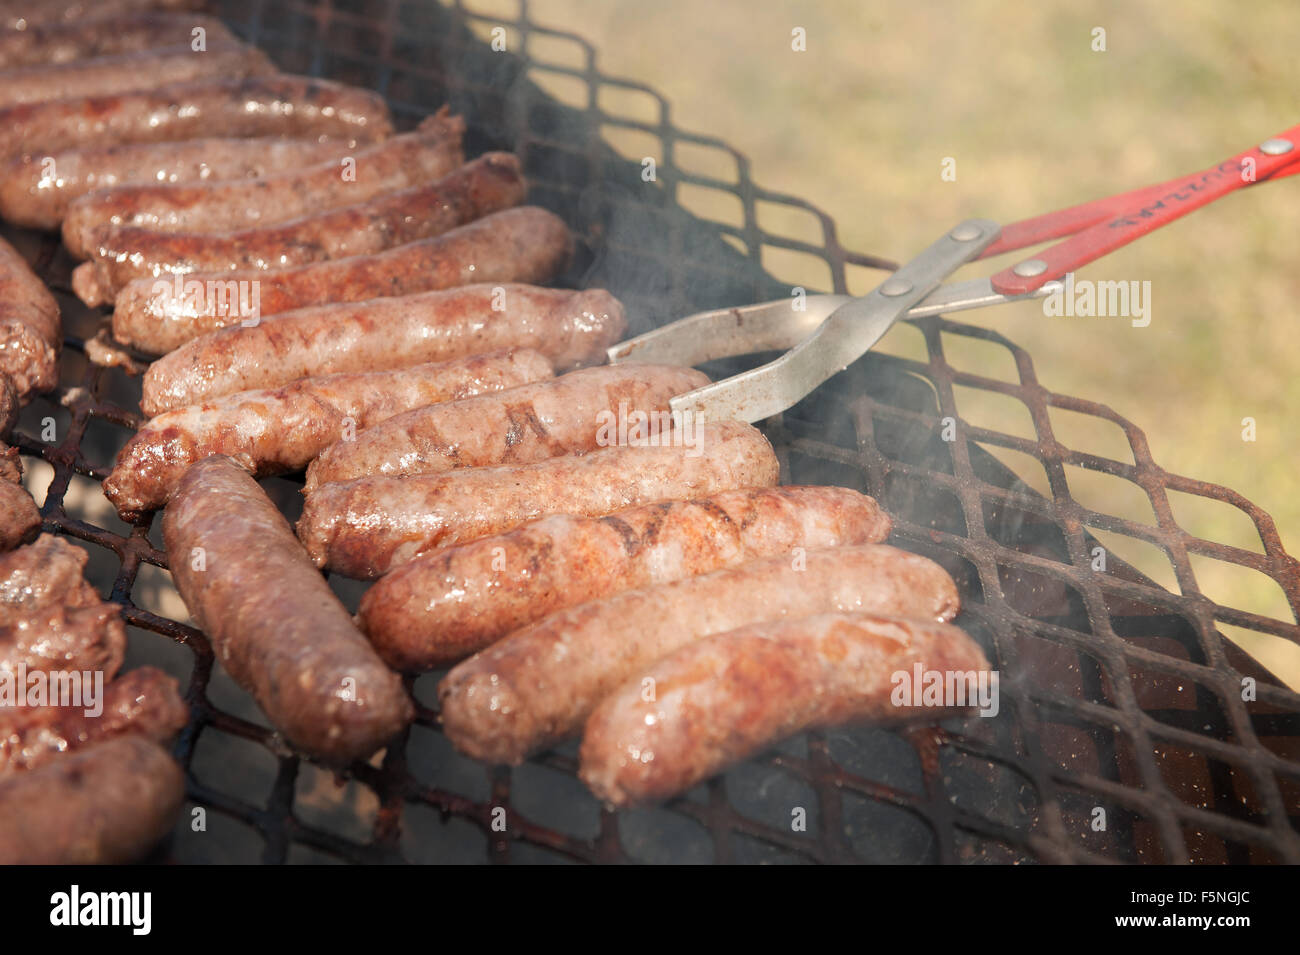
x=1103 y=225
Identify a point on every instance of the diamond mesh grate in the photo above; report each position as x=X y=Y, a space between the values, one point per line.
x=1117 y=693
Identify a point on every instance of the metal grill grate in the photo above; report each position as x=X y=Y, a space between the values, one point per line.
x=1117 y=693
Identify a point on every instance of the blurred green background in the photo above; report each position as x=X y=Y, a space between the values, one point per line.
x=860 y=123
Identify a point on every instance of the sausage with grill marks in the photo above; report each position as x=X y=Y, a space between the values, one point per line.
x=273 y=432
x=143 y=701
x=121 y=254
x=570 y=328
x=108 y=803
x=539 y=684
x=444 y=605
x=36 y=191
x=131 y=71
x=525 y=424
x=52 y=43
x=365 y=527
x=425 y=155
x=274 y=622
x=519 y=245
x=31 y=332
x=257 y=106
x=726 y=697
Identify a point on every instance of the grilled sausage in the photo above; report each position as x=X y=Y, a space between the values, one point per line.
x=120 y=254
x=721 y=699
x=274 y=622
x=272 y=432
x=31 y=333
x=9 y=408
x=258 y=106
x=539 y=684
x=35 y=191
x=22 y=14
x=131 y=71
x=430 y=152
x=363 y=528
x=444 y=605
x=569 y=328
x=518 y=245
x=11 y=465
x=50 y=618
x=525 y=424
x=53 y=43
x=142 y=701
x=108 y=803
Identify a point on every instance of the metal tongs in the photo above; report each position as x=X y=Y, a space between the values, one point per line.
x=833 y=331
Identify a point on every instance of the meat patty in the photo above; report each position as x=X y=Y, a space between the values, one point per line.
x=143 y=701
x=274 y=622
x=530 y=423
x=108 y=803
x=718 y=700
x=124 y=253
x=538 y=685
x=570 y=328
x=273 y=432
x=31 y=333
x=519 y=245
x=446 y=604
x=427 y=154
x=365 y=527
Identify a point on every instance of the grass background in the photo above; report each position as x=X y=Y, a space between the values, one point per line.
x=1035 y=119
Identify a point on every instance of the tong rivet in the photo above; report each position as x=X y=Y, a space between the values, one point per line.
x=1030 y=267
x=1276 y=147
x=896 y=287
x=966 y=232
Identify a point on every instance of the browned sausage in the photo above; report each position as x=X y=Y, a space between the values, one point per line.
x=538 y=685
x=142 y=701
x=22 y=14
x=57 y=42
x=125 y=72
x=31 y=333
x=108 y=803
x=121 y=254
x=718 y=700
x=530 y=423
x=258 y=106
x=274 y=622
x=272 y=432
x=569 y=328
x=519 y=245
x=9 y=408
x=411 y=159
x=50 y=617
x=444 y=605
x=35 y=191
x=365 y=527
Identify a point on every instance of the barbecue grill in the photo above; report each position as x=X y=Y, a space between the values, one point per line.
x=1123 y=733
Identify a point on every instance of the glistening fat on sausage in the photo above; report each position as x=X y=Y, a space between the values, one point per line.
x=539 y=684
x=530 y=423
x=31 y=333
x=446 y=604
x=519 y=245
x=276 y=431
x=365 y=527
x=718 y=700
x=570 y=328
x=274 y=622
